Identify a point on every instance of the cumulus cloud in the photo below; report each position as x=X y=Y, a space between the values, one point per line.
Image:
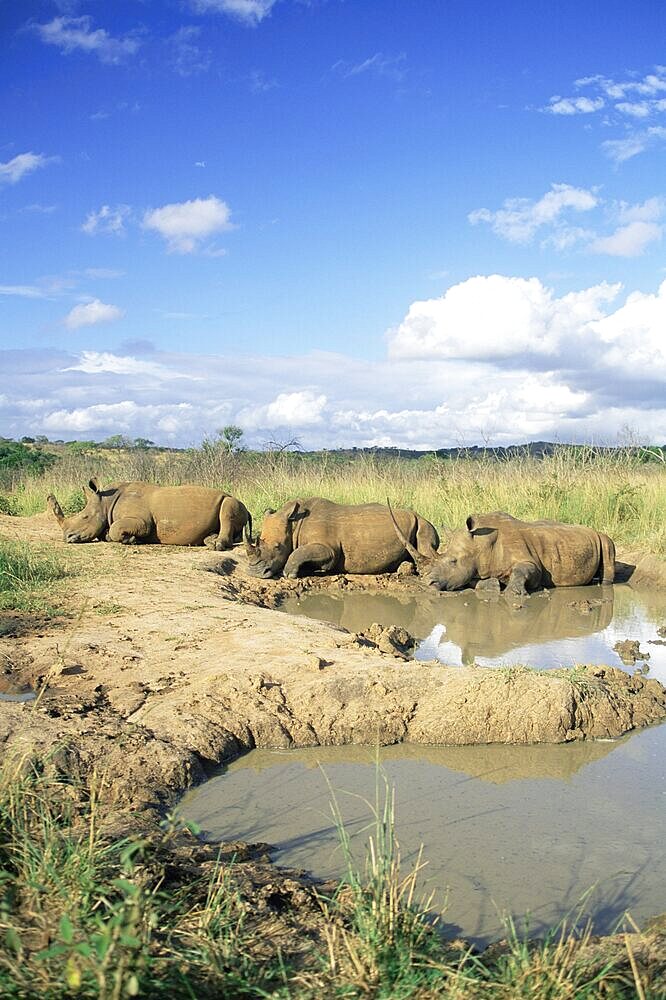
x=107 y=220
x=91 y=313
x=71 y=34
x=519 y=219
x=496 y=358
x=287 y=410
x=185 y=224
x=247 y=11
x=13 y=170
x=493 y=316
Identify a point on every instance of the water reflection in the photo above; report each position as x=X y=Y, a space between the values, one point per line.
x=503 y=828
x=553 y=628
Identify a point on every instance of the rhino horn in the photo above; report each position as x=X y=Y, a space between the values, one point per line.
x=421 y=561
x=250 y=547
x=55 y=508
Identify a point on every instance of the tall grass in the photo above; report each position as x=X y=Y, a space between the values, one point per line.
x=615 y=491
x=88 y=916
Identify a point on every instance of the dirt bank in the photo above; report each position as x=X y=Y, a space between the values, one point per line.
x=161 y=667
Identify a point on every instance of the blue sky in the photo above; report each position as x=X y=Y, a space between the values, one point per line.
x=353 y=222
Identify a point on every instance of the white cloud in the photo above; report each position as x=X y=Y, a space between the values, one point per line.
x=519 y=219
x=636 y=109
x=185 y=224
x=574 y=105
x=378 y=64
x=628 y=241
x=91 y=313
x=247 y=11
x=187 y=56
x=497 y=359
x=633 y=336
x=493 y=317
x=107 y=220
x=70 y=34
x=23 y=164
x=288 y=409
x=23 y=291
x=106 y=363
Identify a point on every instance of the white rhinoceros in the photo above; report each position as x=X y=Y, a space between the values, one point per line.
x=166 y=515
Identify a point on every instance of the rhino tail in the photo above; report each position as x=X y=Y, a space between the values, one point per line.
x=249 y=523
x=607 y=567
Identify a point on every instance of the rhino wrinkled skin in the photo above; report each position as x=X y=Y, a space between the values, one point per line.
x=321 y=536
x=144 y=512
x=522 y=555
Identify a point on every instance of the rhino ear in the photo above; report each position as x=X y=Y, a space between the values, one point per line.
x=295 y=512
x=471 y=522
x=93 y=485
x=269 y=510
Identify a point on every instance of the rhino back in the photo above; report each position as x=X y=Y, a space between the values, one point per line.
x=569 y=554
x=362 y=534
x=181 y=515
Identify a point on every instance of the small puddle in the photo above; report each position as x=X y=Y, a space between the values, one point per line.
x=523 y=829
x=555 y=628
x=15 y=692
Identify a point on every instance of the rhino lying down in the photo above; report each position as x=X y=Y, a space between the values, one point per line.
x=144 y=512
x=328 y=537
x=523 y=555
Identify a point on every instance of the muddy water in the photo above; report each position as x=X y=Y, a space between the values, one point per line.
x=505 y=829
x=553 y=628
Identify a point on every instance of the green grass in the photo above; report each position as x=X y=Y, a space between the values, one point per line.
x=614 y=491
x=27 y=574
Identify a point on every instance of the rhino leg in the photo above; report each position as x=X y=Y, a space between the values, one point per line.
x=321 y=558
x=128 y=530
x=524 y=576
x=233 y=517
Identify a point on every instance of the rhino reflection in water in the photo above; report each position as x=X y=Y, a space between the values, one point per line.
x=521 y=555
x=144 y=512
x=482 y=629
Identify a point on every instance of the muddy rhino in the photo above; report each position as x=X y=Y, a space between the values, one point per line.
x=522 y=555
x=319 y=536
x=144 y=512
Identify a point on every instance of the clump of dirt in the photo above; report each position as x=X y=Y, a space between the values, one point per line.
x=629 y=651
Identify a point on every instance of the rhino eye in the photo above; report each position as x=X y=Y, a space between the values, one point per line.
x=453 y=562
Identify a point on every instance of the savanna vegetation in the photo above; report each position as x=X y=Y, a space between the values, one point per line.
x=621 y=491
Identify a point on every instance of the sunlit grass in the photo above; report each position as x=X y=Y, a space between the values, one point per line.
x=614 y=491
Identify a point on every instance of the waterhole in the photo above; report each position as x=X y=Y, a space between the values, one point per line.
x=543 y=831
x=551 y=628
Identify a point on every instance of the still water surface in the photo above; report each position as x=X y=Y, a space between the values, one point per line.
x=505 y=828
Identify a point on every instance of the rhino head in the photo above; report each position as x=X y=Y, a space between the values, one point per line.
x=268 y=555
x=461 y=563
x=90 y=523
